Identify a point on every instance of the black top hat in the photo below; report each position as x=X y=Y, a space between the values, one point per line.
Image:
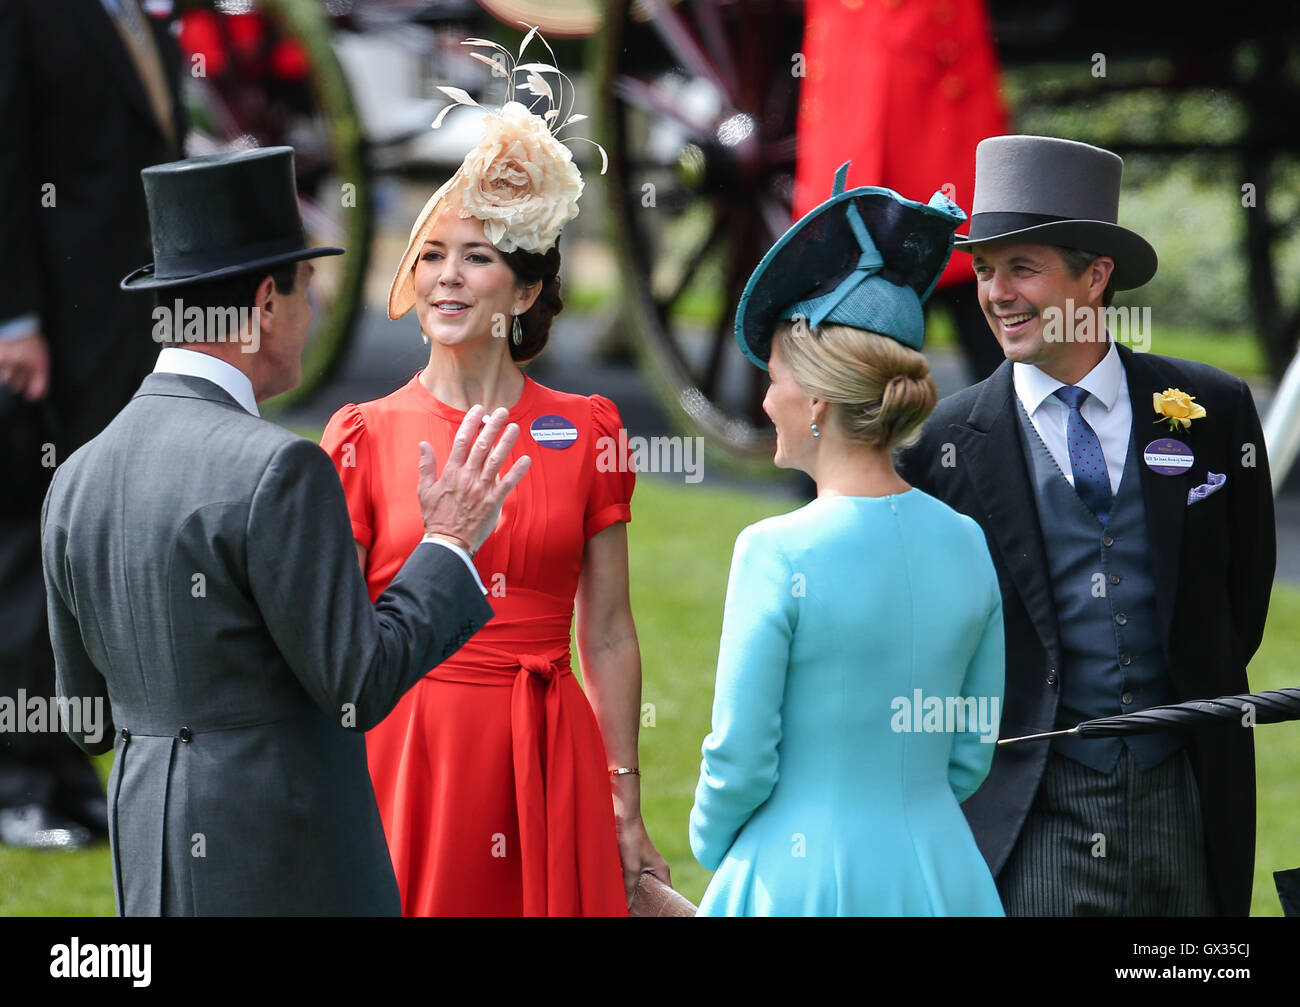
x=221 y=215
x=1050 y=191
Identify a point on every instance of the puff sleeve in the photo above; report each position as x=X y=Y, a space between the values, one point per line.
x=614 y=477
x=349 y=448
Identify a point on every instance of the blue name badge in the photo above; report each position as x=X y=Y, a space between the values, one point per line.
x=553 y=431
x=1168 y=457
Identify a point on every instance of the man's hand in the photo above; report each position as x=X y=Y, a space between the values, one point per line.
x=25 y=366
x=463 y=504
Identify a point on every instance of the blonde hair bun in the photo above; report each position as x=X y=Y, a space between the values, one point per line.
x=880 y=390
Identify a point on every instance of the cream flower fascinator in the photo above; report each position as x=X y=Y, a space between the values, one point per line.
x=520 y=180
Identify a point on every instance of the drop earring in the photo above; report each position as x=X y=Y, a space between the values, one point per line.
x=813 y=426
x=517 y=334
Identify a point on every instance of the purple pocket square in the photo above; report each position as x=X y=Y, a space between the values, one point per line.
x=1216 y=481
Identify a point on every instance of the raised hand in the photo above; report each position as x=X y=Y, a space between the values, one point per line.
x=462 y=504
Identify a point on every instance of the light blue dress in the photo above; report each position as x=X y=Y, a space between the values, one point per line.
x=860 y=679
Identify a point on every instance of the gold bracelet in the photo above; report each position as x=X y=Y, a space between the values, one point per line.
x=624 y=772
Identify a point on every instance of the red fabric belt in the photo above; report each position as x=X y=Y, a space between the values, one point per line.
x=553 y=807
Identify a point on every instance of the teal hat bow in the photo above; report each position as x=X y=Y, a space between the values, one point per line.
x=866 y=257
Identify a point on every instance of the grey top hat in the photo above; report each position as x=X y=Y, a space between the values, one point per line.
x=1049 y=191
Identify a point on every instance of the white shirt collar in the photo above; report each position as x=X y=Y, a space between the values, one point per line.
x=228 y=377
x=1034 y=385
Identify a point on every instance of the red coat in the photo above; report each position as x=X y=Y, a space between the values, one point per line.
x=904 y=89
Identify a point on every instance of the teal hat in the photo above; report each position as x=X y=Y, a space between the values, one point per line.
x=866 y=258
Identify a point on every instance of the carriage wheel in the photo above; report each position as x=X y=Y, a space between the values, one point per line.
x=269 y=76
x=699 y=106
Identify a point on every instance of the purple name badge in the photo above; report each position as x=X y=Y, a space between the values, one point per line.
x=1168 y=457
x=553 y=431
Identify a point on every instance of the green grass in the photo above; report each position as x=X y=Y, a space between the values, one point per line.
x=58 y=883
x=680 y=551
x=679 y=545
x=1277 y=753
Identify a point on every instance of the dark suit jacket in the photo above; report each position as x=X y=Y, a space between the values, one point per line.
x=77 y=116
x=1214 y=563
x=203 y=584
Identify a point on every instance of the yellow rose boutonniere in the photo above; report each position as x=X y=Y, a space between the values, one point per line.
x=1177 y=407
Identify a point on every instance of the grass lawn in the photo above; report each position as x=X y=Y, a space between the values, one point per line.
x=681 y=539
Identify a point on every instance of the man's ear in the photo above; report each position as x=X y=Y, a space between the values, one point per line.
x=1099 y=275
x=264 y=299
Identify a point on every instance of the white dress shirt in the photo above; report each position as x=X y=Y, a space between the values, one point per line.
x=233 y=381
x=227 y=377
x=1107 y=409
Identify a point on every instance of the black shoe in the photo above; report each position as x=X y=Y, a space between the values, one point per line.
x=36 y=827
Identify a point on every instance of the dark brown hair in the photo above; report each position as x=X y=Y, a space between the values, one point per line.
x=530 y=268
x=238 y=291
x=1077 y=260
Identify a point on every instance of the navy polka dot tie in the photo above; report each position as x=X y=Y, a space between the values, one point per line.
x=1091 y=480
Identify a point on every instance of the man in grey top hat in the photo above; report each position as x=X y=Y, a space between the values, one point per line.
x=1127 y=504
x=209 y=619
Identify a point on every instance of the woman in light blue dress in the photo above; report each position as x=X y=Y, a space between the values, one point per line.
x=860 y=672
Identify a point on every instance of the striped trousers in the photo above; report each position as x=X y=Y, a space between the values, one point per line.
x=1125 y=843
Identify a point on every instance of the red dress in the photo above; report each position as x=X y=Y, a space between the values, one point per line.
x=490 y=773
x=903 y=90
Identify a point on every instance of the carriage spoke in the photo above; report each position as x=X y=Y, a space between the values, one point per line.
x=738 y=269
x=715 y=39
x=681 y=44
x=709 y=118
x=780 y=152
x=646 y=97
x=695 y=261
x=776 y=217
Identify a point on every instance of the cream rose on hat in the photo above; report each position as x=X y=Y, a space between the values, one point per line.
x=520 y=180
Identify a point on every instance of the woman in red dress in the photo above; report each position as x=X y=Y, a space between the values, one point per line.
x=502 y=789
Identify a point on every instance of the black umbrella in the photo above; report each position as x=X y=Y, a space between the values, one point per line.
x=1272 y=707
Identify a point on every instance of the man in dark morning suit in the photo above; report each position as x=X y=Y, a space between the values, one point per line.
x=89 y=95
x=204 y=589
x=1135 y=553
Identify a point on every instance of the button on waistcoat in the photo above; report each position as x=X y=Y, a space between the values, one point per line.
x=1103 y=591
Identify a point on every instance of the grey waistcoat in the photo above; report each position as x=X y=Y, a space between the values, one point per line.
x=1103 y=591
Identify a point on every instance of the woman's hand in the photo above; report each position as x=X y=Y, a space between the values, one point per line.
x=638 y=854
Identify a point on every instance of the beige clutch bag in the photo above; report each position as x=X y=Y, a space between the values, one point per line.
x=652 y=897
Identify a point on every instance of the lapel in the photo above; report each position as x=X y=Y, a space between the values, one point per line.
x=120 y=67
x=1163 y=497
x=988 y=447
